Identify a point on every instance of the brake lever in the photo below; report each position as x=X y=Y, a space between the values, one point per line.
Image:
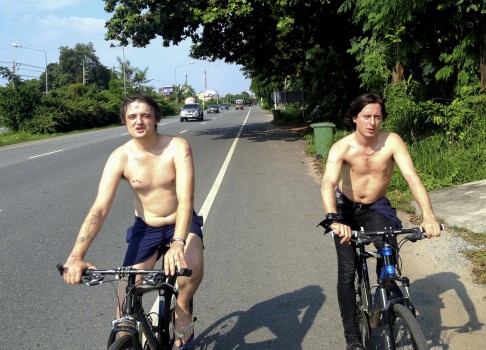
x=93 y=279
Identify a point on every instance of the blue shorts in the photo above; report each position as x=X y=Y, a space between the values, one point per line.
x=144 y=240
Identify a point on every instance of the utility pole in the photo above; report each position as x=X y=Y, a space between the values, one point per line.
x=84 y=74
x=205 y=87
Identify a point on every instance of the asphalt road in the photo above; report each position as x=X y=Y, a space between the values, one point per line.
x=270 y=274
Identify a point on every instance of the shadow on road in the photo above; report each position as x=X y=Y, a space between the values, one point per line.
x=256 y=132
x=282 y=321
x=429 y=304
x=426 y=293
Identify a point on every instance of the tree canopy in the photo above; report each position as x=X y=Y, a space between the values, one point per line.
x=332 y=49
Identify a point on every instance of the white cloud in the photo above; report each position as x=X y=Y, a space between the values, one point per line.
x=79 y=24
x=15 y=6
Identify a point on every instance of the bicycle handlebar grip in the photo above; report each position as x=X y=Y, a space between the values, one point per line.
x=184 y=272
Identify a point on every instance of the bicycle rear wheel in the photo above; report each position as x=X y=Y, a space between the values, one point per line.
x=407 y=333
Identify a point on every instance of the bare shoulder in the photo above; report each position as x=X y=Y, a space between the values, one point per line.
x=343 y=145
x=121 y=153
x=178 y=146
x=391 y=137
x=393 y=141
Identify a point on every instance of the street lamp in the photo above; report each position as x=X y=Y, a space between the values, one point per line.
x=29 y=48
x=175 y=71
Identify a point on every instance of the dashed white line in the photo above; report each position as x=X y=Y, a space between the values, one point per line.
x=46 y=154
x=183 y=131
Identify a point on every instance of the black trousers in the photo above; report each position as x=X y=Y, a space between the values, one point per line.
x=347 y=258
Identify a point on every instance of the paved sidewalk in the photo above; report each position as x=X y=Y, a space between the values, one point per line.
x=463 y=206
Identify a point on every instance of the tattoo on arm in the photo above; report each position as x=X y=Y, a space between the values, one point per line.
x=137 y=180
x=188 y=153
x=87 y=228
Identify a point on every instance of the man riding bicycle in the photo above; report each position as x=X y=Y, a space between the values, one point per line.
x=358 y=172
x=159 y=169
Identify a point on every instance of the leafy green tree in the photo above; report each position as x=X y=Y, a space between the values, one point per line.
x=76 y=62
x=271 y=40
x=17 y=104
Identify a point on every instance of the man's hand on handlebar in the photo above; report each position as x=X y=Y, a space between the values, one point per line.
x=73 y=270
x=174 y=259
x=343 y=231
x=431 y=228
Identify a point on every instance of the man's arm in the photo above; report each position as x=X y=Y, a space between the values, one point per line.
x=330 y=180
x=405 y=164
x=75 y=264
x=184 y=168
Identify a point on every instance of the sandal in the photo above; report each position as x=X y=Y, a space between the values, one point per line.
x=179 y=336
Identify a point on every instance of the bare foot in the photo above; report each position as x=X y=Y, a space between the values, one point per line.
x=184 y=326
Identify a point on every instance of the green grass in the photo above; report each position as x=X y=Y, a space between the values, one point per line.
x=14 y=138
x=10 y=138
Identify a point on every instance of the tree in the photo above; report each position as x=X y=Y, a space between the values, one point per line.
x=77 y=65
x=17 y=105
x=269 y=39
x=433 y=41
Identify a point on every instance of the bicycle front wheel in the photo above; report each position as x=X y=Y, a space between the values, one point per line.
x=407 y=333
x=122 y=343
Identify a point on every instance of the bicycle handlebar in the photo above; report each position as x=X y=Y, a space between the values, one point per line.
x=414 y=234
x=93 y=277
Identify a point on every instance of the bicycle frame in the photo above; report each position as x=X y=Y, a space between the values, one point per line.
x=388 y=273
x=134 y=313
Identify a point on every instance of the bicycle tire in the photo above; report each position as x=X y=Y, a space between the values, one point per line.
x=407 y=333
x=122 y=343
x=362 y=317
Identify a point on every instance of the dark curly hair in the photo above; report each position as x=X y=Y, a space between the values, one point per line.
x=359 y=103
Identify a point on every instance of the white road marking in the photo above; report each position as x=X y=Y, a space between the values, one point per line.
x=219 y=179
x=46 y=154
x=183 y=131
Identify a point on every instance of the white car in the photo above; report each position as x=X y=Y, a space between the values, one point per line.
x=191 y=111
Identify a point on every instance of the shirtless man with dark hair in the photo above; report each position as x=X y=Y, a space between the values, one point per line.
x=159 y=169
x=358 y=172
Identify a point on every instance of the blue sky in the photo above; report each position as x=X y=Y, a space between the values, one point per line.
x=49 y=24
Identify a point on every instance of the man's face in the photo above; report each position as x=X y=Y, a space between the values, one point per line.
x=140 y=119
x=369 y=119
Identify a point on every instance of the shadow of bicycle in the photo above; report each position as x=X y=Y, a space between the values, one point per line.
x=426 y=293
x=282 y=322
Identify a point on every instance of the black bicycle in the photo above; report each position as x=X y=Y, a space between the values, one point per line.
x=136 y=329
x=390 y=306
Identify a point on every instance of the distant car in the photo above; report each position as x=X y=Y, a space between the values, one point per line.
x=239 y=104
x=213 y=109
x=191 y=111
x=224 y=106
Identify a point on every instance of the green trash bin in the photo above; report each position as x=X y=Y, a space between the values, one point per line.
x=276 y=114
x=323 y=133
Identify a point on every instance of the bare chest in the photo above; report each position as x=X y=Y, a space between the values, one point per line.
x=379 y=164
x=147 y=174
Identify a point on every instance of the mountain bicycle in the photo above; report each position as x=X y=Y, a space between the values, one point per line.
x=135 y=329
x=390 y=306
